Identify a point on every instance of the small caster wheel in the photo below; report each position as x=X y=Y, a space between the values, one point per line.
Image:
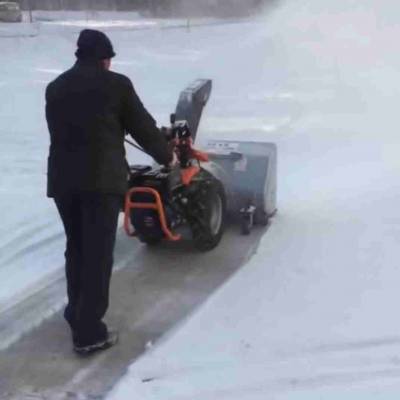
x=247 y=222
x=262 y=219
x=246 y=226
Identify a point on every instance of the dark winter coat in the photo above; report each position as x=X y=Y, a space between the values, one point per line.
x=89 y=111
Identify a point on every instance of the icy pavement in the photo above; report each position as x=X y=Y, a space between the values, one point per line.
x=311 y=316
x=156 y=291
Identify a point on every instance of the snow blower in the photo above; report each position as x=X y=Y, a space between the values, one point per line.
x=229 y=178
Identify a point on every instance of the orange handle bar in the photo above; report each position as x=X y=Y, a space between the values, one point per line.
x=200 y=155
x=157 y=206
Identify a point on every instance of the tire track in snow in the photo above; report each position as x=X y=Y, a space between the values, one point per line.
x=32 y=247
x=16 y=239
x=355 y=345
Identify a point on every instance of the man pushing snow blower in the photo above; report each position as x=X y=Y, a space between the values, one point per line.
x=89 y=109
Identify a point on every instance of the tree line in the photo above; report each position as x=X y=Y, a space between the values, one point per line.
x=158 y=7
x=84 y=4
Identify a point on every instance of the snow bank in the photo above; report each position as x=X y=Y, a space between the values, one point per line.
x=310 y=316
x=131 y=21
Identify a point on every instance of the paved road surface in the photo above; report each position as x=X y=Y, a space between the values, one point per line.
x=155 y=292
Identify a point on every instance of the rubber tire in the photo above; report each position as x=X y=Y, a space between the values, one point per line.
x=246 y=226
x=204 y=239
x=261 y=219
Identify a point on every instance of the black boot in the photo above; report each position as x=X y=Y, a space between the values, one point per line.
x=104 y=343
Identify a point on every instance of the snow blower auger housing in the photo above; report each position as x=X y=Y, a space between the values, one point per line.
x=248 y=172
x=197 y=193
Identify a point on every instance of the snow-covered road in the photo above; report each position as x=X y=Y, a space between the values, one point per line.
x=156 y=290
x=311 y=316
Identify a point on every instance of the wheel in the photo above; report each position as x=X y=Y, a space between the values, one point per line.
x=246 y=225
x=208 y=215
x=262 y=218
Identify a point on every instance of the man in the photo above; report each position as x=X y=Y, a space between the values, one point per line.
x=89 y=109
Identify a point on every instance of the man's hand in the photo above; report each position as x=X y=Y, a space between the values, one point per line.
x=167 y=132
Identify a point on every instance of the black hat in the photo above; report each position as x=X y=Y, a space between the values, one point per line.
x=94 y=45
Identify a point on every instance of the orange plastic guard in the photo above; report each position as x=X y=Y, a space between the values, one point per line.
x=200 y=155
x=187 y=174
x=157 y=205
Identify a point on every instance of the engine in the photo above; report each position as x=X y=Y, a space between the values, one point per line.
x=164 y=181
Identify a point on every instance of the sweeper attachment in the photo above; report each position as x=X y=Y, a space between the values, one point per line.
x=229 y=178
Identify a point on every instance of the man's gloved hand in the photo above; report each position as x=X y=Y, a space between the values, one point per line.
x=167 y=132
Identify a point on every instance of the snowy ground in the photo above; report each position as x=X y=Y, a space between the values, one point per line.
x=312 y=315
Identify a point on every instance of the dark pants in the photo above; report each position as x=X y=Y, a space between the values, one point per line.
x=90 y=222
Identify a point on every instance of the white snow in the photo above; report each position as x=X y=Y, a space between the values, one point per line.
x=313 y=315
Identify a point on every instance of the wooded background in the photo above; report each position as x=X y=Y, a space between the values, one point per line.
x=155 y=6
